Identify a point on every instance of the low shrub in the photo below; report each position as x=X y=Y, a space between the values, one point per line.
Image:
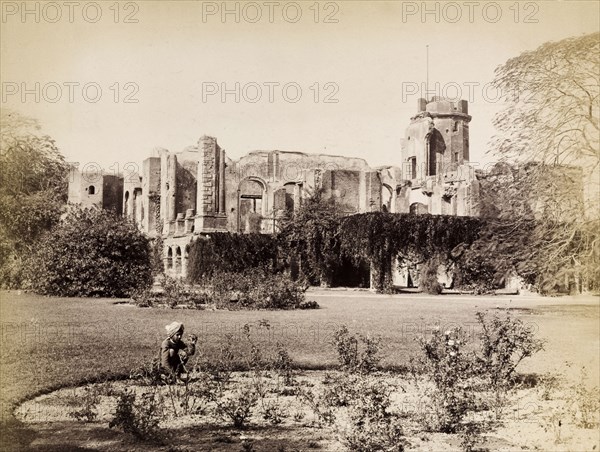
x=311 y=304
x=176 y=292
x=586 y=403
x=87 y=411
x=238 y=406
x=463 y=378
x=505 y=342
x=428 y=279
x=139 y=418
x=356 y=353
x=255 y=289
x=451 y=370
x=373 y=426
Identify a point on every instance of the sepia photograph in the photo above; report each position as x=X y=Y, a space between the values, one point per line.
x=294 y=226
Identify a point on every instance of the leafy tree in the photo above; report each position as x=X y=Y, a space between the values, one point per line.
x=551 y=128
x=33 y=191
x=553 y=103
x=311 y=233
x=527 y=234
x=91 y=252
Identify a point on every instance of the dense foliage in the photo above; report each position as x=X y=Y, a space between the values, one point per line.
x=91 y=253
x=312 y=235
x=255 y=289
x=534 y=228
x=551 y=97
x=226 y=252
x=551 y=123
x=382 y=237
x=33 y=191
x=322 y=240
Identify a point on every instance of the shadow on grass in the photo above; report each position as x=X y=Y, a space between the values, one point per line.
x=16 y=436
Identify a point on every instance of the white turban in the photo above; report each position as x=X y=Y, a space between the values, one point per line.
x=173 y=328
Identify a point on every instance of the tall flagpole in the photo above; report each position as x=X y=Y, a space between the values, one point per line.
x=427 y=82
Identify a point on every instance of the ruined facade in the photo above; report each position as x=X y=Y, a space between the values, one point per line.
x=200 y=190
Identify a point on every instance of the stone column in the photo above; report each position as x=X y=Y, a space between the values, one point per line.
x=222 y=181
x=172 y=191
x=210 y=179
x=164 y=154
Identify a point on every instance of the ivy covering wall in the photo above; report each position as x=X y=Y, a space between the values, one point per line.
x=323 y=245
x=224 y=252
x=381 y=238
x=479 y=252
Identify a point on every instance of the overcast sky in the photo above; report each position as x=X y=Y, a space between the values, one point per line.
x=334 y=77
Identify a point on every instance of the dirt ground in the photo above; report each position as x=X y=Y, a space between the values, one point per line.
x=106 y=338
x=544 y=417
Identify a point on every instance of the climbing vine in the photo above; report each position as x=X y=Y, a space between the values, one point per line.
x=381 y=238
x=225 y=252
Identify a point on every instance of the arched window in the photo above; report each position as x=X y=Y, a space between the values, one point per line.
x=418 y=208
x=126 y=204
x=251 y=205
x=169 y=258
x=177 y=260
x=387 y=199
x=91 y=190
x=437 y=146
x=289 y=196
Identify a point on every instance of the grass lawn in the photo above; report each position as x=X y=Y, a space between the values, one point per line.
x=54 y=342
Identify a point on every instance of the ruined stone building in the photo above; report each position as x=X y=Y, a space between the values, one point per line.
x=200 y=190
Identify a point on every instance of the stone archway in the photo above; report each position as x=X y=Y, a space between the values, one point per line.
x=435 y=152
x=169 y=259
x=418 y=208
x=251 y=204
x=177 y=263
x=387 y=199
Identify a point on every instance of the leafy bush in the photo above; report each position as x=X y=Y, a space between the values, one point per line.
x=238 y=406
x=224 y=252
x=451 y=369
x=255 y=289
x=176 y=292
x=341 y=390
x=138 y=418
x=428 y=277
x=586 y=403
x=356 y=353
x=91 y=253
x=373 y=426
x=311 y=304
x=87 y=411
x=505 y=342
x=322 y=410
x=461 y=377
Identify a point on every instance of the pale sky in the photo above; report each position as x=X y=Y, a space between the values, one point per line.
x=371 y=61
